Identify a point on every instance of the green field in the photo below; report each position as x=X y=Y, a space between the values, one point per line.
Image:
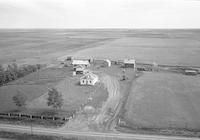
x=164 y=100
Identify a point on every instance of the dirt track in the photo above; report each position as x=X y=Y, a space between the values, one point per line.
x=113 y=88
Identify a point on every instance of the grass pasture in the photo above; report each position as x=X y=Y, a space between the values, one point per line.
x=35 y=86
x=164 y=100
x=74 y=95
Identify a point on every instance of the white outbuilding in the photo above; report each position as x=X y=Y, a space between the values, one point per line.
x=129 y=63
x=89 y=79
x=85 y=63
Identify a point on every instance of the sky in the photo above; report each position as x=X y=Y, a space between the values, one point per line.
x=99 y=13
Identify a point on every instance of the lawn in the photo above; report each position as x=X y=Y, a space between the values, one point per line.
x=164 y=100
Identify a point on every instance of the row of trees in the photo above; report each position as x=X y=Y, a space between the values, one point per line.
x=13 y=72
x=55 y=99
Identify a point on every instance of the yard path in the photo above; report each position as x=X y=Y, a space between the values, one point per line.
x=113 y=88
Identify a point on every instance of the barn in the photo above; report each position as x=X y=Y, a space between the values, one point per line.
x=89 y=79
x=129 y=63
x=84 y=63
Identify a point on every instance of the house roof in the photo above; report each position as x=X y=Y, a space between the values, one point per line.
x=129 y=61
x=191 y=71
x=90 y=76
x=79 y=67
x=80 y=62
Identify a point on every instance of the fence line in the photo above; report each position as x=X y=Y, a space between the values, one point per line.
x=23 y=116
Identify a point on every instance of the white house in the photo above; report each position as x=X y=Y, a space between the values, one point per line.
x=129 y=63
x=85 y=63
x=89 y=79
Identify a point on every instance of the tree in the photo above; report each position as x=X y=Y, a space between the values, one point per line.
x=38 y=66
x=55 y=98
x=20 y=99
x=12 y=71
x=1 y=68
x=1 y=75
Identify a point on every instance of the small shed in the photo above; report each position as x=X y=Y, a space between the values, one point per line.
x=129 y=63
x=155 y=66
x=69 y=58
x=85 y=63
x=79 y=69
x=191 y=72
x=89 y=79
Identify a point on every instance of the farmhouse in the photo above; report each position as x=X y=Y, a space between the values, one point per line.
x=89 y=79
x=80 y=62
x=129 y=63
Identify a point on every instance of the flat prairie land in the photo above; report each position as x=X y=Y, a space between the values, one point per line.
x=45 y=45
x=164 y=100
x=156 y=100
x=175 y=51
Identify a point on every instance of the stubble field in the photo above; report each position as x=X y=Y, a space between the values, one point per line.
x=164 y=100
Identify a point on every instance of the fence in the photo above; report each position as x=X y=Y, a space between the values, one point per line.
x=26 y=116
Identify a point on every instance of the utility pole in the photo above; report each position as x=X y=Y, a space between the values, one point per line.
x=123 y=74
x=31 y=129
x=31 y=126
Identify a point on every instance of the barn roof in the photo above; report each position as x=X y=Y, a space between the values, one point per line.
x=80 y=62
x=129 y=61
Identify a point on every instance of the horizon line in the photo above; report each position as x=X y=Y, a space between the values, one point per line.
x=2 y=28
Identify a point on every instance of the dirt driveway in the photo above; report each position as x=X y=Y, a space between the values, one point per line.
x=113 y=88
